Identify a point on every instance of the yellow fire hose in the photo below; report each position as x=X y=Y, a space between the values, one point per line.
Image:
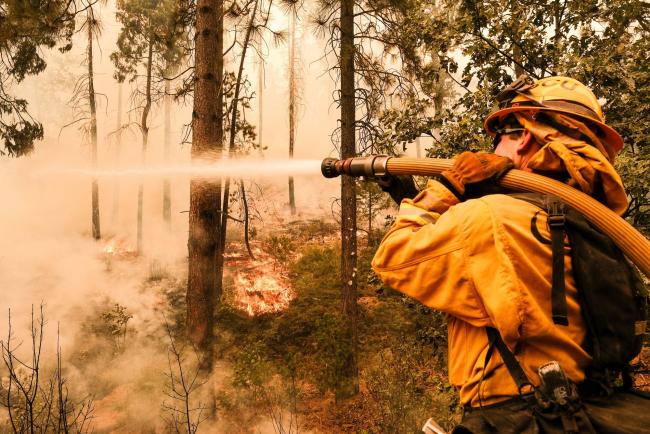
x=635 y=246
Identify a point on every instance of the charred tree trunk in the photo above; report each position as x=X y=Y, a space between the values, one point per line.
x=203 y=287
x=292 y=103
x=93 y=126
x=144 y=128
x=349 y=384
x=167 y=202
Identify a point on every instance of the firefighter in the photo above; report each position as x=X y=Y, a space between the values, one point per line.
x=482 y=259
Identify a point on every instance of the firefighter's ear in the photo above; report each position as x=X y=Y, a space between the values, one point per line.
x=526 y=143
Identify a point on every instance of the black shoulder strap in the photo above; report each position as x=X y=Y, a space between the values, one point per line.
x=556 y=222
x=514 y=368
x=556 y=219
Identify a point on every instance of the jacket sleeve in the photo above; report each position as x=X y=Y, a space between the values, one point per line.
x=424 y=255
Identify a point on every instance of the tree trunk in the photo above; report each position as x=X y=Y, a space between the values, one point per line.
x=292 y=103
x=349 y=384
x=260 y=91
x=231 y=144
x=370 y=217
x=517 y=61
x=144 y=128
x=118 y=150
x=517 y=55
x=167 y=202
x=203 y=287
x=93 y=126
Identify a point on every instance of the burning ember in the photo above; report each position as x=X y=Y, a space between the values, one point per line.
x=264 y=294
x=118 y=248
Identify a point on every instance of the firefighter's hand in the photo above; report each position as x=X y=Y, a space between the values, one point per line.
x=399 y=187
x=474 y=170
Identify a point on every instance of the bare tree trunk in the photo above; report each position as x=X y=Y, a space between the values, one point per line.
x=93 y=125
x=517 y=54
x=349 y=385
x=292 y=103
x=167 y=202
x=518 y=59
x=144 y=128
x=118 y=150
x=203 y=287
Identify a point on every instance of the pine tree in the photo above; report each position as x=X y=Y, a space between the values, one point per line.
x=292 y=104
x=203 y=287
x=41 y=25
x=92 y=27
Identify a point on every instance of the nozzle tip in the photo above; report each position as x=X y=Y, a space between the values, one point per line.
x=328 y=168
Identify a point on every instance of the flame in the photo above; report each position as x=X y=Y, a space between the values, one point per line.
x=119 y=248
x=265 y=294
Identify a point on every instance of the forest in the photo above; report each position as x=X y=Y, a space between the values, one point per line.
x=172 y=259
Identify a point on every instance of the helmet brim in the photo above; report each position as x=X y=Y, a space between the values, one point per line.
x=611 y=137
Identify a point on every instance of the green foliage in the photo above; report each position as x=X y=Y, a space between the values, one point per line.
x=25 y=28
x=371 y=202
x=279 y=247
x=251 y=368
x=312 y=229
x=104 y=331
x=402 y=125
x=308 y=344
x=161 y=24
x=401 y=78
x=114 y=325
x=407 y=390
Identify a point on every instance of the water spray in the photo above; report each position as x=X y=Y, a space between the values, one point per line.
x=233 y=167
x=624 y=235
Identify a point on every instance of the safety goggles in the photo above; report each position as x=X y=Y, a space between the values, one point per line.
x=519 y=86
x=505 y=130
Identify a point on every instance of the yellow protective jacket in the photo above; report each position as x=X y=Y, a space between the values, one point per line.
x=479 y=262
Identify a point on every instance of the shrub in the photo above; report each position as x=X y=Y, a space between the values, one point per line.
x=279 y=247
x=407 y=389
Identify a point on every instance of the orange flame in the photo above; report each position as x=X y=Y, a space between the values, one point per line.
x=118 y=248
x=265 y=294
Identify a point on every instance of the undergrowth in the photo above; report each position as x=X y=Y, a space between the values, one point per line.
x=296 y=356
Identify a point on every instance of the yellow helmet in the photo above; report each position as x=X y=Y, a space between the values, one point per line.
x=556 y=94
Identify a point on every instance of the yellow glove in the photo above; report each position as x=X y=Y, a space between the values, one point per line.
x=472 y=168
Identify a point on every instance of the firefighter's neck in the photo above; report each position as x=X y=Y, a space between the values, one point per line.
x=520 y=150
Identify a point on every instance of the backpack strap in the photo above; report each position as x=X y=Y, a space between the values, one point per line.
x=556 y=212
x=513 y=366
x=556 y=220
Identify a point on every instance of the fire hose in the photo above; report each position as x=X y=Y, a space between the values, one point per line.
x=635 y=246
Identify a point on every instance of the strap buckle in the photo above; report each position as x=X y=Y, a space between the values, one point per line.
x=556 y=211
